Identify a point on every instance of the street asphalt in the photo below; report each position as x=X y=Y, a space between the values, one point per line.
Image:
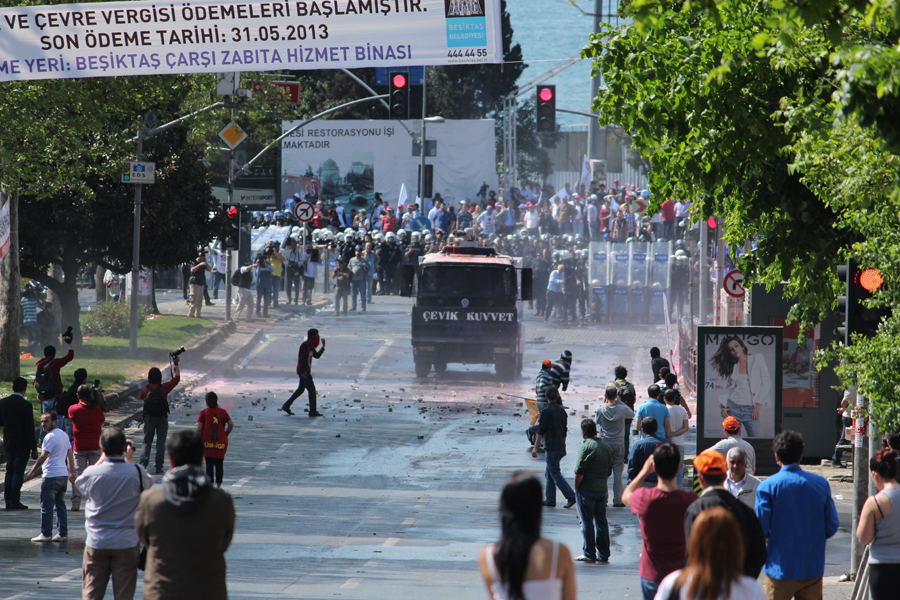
x=394 y=491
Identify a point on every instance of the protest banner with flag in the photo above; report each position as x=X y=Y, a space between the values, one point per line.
x=586 y=172
x=4 y=226
x=403 y=197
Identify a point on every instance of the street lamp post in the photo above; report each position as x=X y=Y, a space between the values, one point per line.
x=424 y=143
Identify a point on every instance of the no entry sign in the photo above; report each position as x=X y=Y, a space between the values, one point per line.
x=304 y=211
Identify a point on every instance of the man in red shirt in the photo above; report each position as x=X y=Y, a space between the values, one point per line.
x=661 y=510
x=668 y=220
x=388 y=221
x=322 y=217
x=304 y=370
x=156 y=413
x=87 y=423
x=48 y=396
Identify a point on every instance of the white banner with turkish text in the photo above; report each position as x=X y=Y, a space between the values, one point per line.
x=108 y=39
x=4 y=226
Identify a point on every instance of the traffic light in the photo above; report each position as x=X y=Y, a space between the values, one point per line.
x=861 y=285
x=546 y=109
x=232 y=238
x=399 y=83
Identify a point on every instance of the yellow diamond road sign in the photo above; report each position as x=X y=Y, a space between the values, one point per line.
x=233 y=135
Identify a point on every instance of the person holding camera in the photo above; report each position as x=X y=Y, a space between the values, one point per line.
x=87 y=423
x=293 y=262
x=47 y=381
x=198 y=282
x=112 y=489
x=342 y=277
x=68 y=399
x=305 y=355
x=244 y=277
x=263 y=285
x=156 y=412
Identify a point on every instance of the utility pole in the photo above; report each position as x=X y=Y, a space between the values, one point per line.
x=593 y=145
x=704 y=269
x=860 y=479
x=136 y=253
x=228 y=265
x=422 y=171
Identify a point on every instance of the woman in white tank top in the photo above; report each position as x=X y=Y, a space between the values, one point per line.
x=523 y=565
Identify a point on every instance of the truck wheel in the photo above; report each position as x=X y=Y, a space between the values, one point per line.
x=440 y=368
x=506 y=369
x=422 y=369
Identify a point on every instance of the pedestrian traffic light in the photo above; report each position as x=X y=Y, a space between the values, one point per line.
x=859 y=318
x=232 y=238
x=399 y=98
x=546 y=109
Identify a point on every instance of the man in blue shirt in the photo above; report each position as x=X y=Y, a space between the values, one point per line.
x=643 y=449
x=797 y=514
x=656 y=409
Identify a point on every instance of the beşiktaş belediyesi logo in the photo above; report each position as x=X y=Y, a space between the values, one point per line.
x=466 y=26
x=463 y=8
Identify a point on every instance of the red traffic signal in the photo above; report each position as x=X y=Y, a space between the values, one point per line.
x=870 y=279
x=399 y=96
x=545 y=111
x=232 y=212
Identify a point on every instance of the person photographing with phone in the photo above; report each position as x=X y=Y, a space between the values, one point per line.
x=156 y=411
x=304 y=370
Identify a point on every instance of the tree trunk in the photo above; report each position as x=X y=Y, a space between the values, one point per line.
x=10 y=298
x=55 y=272
x=65 y=293
x=100 y=289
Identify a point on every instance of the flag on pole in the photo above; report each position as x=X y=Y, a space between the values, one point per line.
x=586 y=172
x=403 y=197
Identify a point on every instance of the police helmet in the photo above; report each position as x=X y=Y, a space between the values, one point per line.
x=348 y=231
x=402 y=234
x=545 y=237
x=327 y=235
x=391 y=238
x=379 y=237
x=680 y=245
x=429 y=238
x=416 y=236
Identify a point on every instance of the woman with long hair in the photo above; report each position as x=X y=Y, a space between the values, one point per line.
x=715 y=568
x=879 y=525
x=523 y=565
x=748 y=384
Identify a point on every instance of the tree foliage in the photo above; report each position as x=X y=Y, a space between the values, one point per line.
x=781 y=117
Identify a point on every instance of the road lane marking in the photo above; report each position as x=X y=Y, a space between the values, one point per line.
x=352 y=583
x=371 y=363
x=284 y=447
x=409 y=521
x=68 y=576
x=372 y=563
x=391 y=542
x=263 y=465
x=241 y=482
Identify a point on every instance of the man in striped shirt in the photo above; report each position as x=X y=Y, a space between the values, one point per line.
x=559 y=371
x=29 y=308
x=542 y=383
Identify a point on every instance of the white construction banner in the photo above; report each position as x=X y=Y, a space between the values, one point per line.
x=355 y=159
x=4 y=226
x=107 y=39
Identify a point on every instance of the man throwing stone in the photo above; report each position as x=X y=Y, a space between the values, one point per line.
x=304 y=370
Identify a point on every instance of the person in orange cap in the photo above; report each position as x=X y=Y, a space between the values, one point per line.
x=712 y=471
x=733 y=439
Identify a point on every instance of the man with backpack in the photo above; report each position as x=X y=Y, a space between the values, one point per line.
x=46 y=379
x=242 y=278
x=156 y=413
x=626 y=395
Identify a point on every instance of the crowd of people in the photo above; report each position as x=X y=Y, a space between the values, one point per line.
x=551 y=232
x=176 y=530
x=694 y=547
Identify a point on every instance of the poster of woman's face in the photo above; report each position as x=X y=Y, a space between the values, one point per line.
x=739 y=373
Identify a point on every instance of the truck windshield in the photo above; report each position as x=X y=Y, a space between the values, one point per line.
x=469 y=282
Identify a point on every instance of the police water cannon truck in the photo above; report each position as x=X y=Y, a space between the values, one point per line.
x=468 y=309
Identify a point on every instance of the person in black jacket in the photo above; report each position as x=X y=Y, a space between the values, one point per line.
x=17 y=420
x=712 y=470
